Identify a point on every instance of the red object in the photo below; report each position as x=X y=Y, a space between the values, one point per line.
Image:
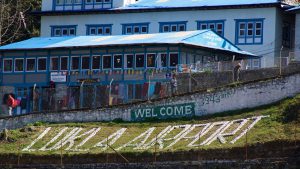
x=12 y=102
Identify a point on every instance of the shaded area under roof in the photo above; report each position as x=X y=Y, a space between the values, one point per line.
x=201 y=38
x=194 y=3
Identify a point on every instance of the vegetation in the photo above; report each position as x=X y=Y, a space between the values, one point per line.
x=281 y=125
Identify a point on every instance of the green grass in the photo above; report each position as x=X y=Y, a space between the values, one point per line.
x=283 y=124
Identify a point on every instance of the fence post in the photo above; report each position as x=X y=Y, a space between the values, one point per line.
x=280 y=66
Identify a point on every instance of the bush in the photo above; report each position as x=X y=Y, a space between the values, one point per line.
x=291 y=112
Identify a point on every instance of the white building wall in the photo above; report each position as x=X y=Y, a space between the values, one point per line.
x=47 y=5
x=297 y=37
x=229 y=15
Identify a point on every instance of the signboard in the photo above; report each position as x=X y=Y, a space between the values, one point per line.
x=163 y=112
x=58 y=77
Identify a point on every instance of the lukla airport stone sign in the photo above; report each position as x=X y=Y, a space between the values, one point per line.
x=194 y=135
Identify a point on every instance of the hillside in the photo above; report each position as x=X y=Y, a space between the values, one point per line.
x=270 y=123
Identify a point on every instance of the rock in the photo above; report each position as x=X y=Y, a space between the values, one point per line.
x=28 y=129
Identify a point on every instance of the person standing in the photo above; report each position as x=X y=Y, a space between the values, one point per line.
x=174 y=84
x=236 y=72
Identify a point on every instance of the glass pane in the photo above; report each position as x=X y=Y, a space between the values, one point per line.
x=54 y=63
x=166 y=28
x=107 y=31
x=118 y=61
x=250 y=32
x=42 y=64
x=250 y=25
x=128 y=30
x=106 y=62
x=129 y=61
x=163 y=58
x=173 y=59
x=100 y=31
x=59 y=2
x=139 y=61
x=211 y=26
x=203 y=26
x=93 y=31
x=174 y=28
x=85 y=63
x=72 y=31
x=65 y=32
x=19 y=64
x=144 y=29
x=242 y=32
x=136 y=29
x=258 y=32
x=96 y=62
x=150 y=60
x=30 y=66
x=219 y=26
x=75 y=63
x=258 y=25
x=181 y=27
x=7 y=65
x=242 y=25
x=57 y=32
x=68 y=1
x=63 y=63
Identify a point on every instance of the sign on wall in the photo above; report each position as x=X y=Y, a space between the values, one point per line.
x=58 y=77
x=163 y=112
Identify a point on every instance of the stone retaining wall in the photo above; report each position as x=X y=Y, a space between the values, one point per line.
x=226 y=99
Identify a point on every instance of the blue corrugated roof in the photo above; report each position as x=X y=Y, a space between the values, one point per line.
x=294 y=9
x=194 y=3
x=201 y=38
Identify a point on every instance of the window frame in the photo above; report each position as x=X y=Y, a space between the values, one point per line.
x=103 y=56
x=38 y=65
x=60 y=63
x=169 y=60
x=12 y=65
x=99 y=65
x=208 y=23
x=166 y=63
x=103 y=27
x=16 y=66
x=34 y=67
x=155 y=55
x=249 y=39
x=51 y=63
x=133 y=26
x=81 y=61
x=169 y=25
x=61 y=28
x=122 y=61
x=135 y=61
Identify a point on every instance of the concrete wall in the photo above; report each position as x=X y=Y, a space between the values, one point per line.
x=229 y=15
x=226 y=99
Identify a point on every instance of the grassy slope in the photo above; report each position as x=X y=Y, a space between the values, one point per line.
x=268 y=129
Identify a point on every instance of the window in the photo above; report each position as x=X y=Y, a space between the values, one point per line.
x=172 y=26
x=216 y=25
x=7 y=65
x=139 y=61
x=286 y=35
x=75 y=63
x=151 y=60
x=249 y=31
x=96 y=62
x=19 y=65
x=67 y=5
x=128 y=61
x=30 y=64
x=42 y=64
x=68 y=30
x=173 y=59
x=85 y=62
x=135 y=28
x=54 y=63
x=106 y=62
x=117 y=61
x=162 y=60
x=64 y=63
x=99 y=29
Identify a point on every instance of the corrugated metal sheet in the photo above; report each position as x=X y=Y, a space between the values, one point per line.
x=294 y=9
x=194 y=3
x=200 y=38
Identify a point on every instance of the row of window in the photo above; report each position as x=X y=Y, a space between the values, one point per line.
x=247 y=31
x=96 y=62
x=63 y=5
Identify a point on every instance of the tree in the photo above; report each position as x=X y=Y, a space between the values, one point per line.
x=16 y=23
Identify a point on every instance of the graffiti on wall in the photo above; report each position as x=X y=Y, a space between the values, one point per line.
x=193 y=135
